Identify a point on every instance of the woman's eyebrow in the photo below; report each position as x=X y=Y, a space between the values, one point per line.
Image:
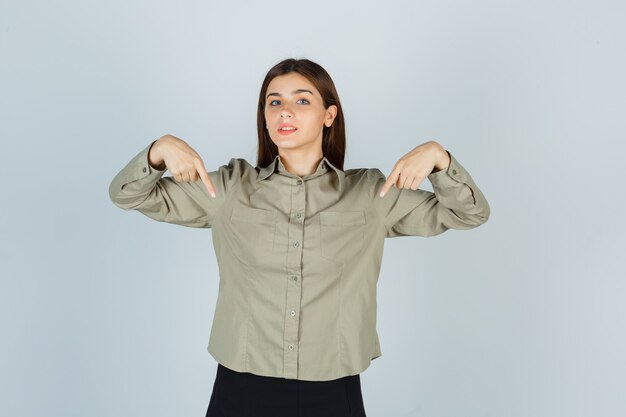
x=299 y=90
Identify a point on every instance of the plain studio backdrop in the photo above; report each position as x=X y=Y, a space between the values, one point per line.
x=521 y=317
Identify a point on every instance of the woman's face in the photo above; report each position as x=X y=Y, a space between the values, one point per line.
x=292 y=99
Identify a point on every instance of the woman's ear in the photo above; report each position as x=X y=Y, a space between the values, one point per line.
x=331 y=113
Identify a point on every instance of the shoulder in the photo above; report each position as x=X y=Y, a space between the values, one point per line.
x=374 y=175
x=365 y=178
x=365 y=174
x=232 y=172
x=358 y=172
x=237 y=167
x=239 y=163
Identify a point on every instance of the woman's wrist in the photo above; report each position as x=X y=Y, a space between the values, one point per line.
x=443 y=160
x=154 y=155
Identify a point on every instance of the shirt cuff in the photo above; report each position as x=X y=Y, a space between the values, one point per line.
x=451 y=175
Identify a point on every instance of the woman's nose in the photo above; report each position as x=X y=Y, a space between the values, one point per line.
x=286 y=112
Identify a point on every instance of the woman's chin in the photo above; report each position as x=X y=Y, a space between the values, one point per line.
x=287 y=143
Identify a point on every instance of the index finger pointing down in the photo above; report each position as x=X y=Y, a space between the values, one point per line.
x=205 y=178
x=391 y=179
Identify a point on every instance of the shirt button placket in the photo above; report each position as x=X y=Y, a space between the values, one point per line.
x=294 y=267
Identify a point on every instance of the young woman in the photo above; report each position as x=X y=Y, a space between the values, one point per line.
x=299 y=243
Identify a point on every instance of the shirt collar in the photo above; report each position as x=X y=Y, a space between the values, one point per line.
x=277 y=166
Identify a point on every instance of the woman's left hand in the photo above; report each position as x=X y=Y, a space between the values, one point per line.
x=415 y=166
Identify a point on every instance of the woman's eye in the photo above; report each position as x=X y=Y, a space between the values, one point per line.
x=273 y=101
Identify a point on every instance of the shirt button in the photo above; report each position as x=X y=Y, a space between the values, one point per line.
x=290 y=347
x=293 y=313
x=145 y=169
x=298 y=215
x=296 y=244
x=454 y=171
x=295 y=278
x=299 y=182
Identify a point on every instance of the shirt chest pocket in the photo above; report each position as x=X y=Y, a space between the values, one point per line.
x=254 y=230
x=341 y=234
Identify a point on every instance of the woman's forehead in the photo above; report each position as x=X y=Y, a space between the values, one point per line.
x=287 y=84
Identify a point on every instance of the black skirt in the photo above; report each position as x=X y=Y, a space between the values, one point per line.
x=243 y=394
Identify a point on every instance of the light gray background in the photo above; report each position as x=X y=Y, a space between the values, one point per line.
x=523 y=316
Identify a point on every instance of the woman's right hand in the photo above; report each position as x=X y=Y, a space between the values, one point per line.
x=182 y=161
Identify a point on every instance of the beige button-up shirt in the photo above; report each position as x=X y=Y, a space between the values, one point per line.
x=299 y=257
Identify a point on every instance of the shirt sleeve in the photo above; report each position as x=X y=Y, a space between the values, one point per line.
x=456 y=203
x=139 y=186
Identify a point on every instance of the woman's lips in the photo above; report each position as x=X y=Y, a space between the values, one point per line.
x=286 y=132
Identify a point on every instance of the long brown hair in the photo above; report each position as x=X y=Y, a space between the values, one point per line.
x=333 y=137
